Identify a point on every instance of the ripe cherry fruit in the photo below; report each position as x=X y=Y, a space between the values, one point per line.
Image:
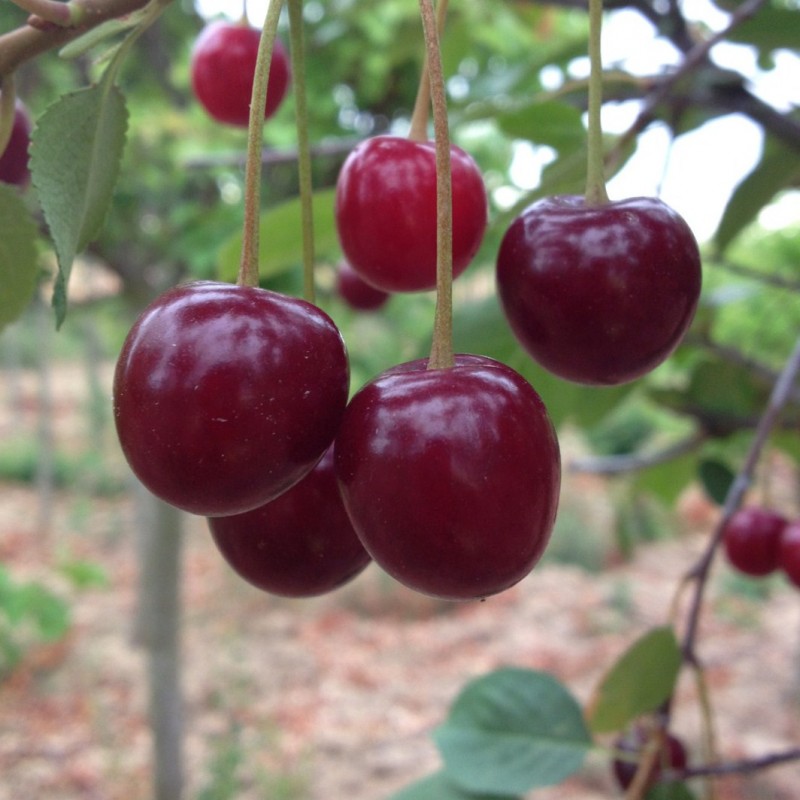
x=672 y=755
x=14 y=159
x=752 y=540
x=223 y=64
x=789 y=552
x=301 y=544
x=225 y=396
x=450 y=476
x=599 y=294
x=356 y=292
x=386 y=212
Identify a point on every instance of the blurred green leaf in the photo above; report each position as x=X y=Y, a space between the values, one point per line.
x=716 y=478
x=640 y=681
x=281 y=238
x=772 y=28
x=548 y=122
x=18 y=258
x=511 y=731
x=438 y=787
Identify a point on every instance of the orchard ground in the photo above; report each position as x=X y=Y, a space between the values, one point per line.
x=335 y=697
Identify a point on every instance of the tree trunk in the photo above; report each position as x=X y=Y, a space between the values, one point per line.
x=157 y=631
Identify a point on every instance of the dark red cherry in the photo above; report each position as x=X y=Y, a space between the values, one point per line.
x=386 y=212
x=14 y=159
x=672 y=755
x=450 y=476
x=225 y=396
x=599 y=294
x=752 y=540
x=299 y=545
x=789 y=552
x=223 y=63
x=356 y=292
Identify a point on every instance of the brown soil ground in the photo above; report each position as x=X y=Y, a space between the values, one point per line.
x=335 y=698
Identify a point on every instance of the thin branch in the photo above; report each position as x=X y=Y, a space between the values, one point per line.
x=768 y=278
x=699 y=573
x=740 y=767
x=633 y=462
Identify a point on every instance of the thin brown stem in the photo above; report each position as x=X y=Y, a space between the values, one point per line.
x=418 y=131
x=442 y=348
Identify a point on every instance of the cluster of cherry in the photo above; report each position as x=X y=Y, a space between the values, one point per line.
x=759 y=541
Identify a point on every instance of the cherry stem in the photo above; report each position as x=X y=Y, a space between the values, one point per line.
x=248 y=265
x=61 y=14
x=8 y=101
x=303 y=146
x=418 y=131
x=595 y=169
x=442 y=347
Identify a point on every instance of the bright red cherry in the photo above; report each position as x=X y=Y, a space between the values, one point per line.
x=301 y=544
x=386 y=212
x=599 y=294
x=14 y=159
x=752 y=540
x=223 y=63
x=225 y=396
x=356 y=292
x=450 y=476
x=789 y=552
x=672 y=755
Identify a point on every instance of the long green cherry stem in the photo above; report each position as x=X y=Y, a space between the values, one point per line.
x=248 y=265
x=418 y=131
x=441 y=355
x=595 y=172
x=303 y=146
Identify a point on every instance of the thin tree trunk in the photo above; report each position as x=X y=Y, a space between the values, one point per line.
x=157 y=630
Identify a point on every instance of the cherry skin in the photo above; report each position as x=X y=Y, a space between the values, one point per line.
x=450 y=476
x=14 y=159
x=752 y=540
x=225 y=396
x=386 y=212
x=672 y=755
x=789 y=552
x=356 y=292
x=223 y=63
x=301 y=544
x=599 y=294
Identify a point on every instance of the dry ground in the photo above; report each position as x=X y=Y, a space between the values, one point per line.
x=334 y=699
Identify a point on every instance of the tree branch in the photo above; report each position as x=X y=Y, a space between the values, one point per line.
x=740 y=767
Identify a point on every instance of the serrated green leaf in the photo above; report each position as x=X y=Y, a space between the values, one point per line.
x=778 y=169
x=638 y=683
x=280 y=244
x=511 y=731
x=438 y=787
x=76 y=151
x=18 y=263
x=716 y=479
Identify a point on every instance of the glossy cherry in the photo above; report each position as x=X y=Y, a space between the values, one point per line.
x=789 y=552
x=223 y=63
x=599 y=294
x=14 y=159
x=752 y=539
x=450 y=476
x=356 y=292
x=386 y=212
x=672 y=755
x=225 y=396
x=301 y=544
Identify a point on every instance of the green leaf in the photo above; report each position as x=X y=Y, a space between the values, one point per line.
x=773 y=28
x=667 y=480
x=511 y=731
x=18 y=263
x=670 y=791
x=438 y=787
x=778 y=169
x=716 y=478
x=556 y=124
x=76 y=151
x=640 y=681
x=280 y=246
